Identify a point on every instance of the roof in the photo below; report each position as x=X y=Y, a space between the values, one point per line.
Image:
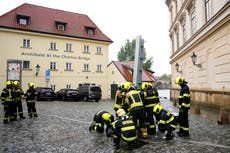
x=43 y=20
x=126 y=70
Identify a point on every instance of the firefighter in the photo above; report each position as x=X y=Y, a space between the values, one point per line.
x=165 y=120
x=119 y=98
x=124 y=129
x=184 y=106
x=30 y=100
x=18 y=100
x=136 y=108
x=7 y=98
x=100 y=118
x=150 y=99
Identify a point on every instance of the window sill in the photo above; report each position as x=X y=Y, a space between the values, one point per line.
x=99 y=54
x=53 y=49
x=86 y=53
x=68 y=70
x=99 y=71
x=26 y=47
x=53 y=69
x=86 y=71
x=26 y=69
x=68 y=51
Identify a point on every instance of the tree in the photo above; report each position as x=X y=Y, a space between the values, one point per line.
x=127 y=53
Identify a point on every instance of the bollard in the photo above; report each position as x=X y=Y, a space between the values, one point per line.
x=197 y=109
x=223 y=117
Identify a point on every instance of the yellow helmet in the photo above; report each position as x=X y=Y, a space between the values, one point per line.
x=120 y=112
x=125 y=86
x=157 y=108
x=8 y=83
x=144 y=85
x=31 y=84
x=179 y=80
x=106 y=116
x=16 y=83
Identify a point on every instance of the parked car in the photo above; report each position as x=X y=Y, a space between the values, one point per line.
x=67 y=94
x=90 y=92
x=44 y=93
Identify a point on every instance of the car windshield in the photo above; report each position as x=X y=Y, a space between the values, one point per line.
x=71 y=90
x=96 y=89
x=46 y=90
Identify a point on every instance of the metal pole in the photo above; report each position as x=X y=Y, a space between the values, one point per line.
x=138 y=63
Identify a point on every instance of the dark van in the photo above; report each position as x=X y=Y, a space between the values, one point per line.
x=89 y=92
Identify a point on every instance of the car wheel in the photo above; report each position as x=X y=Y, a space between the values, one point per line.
x=97 y=100
x=86 y=98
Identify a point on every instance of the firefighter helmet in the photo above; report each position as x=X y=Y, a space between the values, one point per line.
x=179 y=80
x=157 y=108
x=31 y=84
x=16 y=83
x=120 y=112
x=106 y=116
x=125 y=86
x=8 y=83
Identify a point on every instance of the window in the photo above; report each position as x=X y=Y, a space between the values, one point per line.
x=90 y=30
x=184 y=31
x=86 y=49
x=26 y=43
x=98 y=50
x=99 y=68
x=86 y=67
x=68 y=66
x=68 y=86
x=177 y=37
x=23 y=20
x=193 y=22
x=52 y=65
x=53 y=46
x=68 y=47
x=208 y=9
x=60 y=25
x=25 y=64
x=53 y=87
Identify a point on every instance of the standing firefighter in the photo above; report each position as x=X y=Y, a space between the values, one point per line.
x=150 y=99
x=99 y=119
x=30 y=100
x=7 y=98
x=184 y=106
x=18 y=100
x=119 y=99
x=165 y=120
x=135 y=108
x=124 y=128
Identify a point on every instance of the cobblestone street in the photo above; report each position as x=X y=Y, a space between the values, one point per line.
x=63 y=127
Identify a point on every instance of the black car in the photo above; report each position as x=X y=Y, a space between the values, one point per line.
x=44 y=93
x=90 y=92
x=67 y=94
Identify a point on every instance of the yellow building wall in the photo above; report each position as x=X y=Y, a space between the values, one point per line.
x=11 y=49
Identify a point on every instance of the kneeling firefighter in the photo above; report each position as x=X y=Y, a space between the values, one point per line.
x=124 y=128
x=101 y=118
x=165 y=120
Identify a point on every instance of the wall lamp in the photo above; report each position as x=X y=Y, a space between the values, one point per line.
x=37 y=69
x=177 y=68
x=194 y=59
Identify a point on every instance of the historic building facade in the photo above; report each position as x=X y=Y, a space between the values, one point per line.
x=53 y=48
x=200 y=49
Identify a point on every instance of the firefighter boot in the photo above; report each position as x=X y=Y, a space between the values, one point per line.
x=144 y=133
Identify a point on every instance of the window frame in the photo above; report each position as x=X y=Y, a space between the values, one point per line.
x=99 y=68
x=53 y=46
x=208 y=7
x=26 y=43
x=53 y=66
x=86 y=68
x=23 y=64
x=68 y=66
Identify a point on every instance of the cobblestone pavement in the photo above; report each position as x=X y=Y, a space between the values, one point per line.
x=62 y=127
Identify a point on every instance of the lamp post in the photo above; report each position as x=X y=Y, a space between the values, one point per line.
x=177 y=68
x=37 y=69
x=194 y=59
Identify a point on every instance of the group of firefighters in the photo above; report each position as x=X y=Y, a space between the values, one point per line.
x=11 y=99
x=139 y=113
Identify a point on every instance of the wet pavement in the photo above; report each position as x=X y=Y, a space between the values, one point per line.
x=62 y=127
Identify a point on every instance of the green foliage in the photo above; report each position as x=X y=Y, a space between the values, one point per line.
x=165 y=77
x=127 y=53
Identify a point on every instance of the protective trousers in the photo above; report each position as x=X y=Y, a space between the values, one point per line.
x=150 y=121
x=183 y=121
x=31 y=109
